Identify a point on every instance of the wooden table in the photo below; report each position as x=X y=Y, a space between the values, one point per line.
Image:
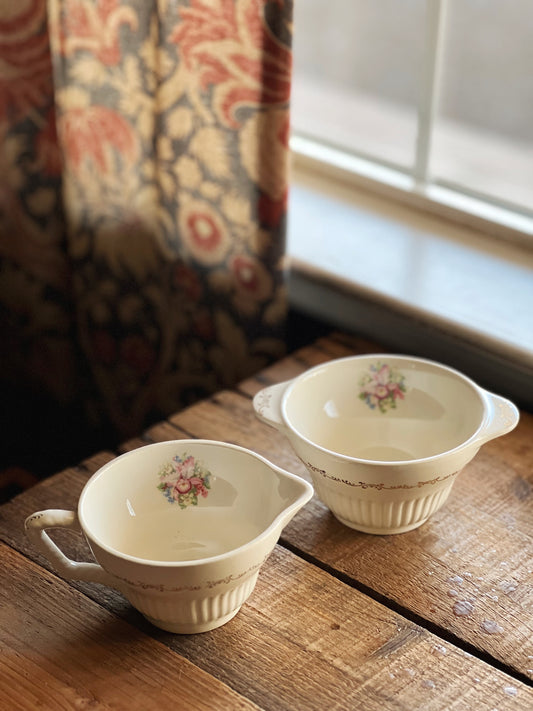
x=438 y=618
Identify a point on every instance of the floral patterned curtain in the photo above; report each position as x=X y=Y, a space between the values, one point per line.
x=143 y=191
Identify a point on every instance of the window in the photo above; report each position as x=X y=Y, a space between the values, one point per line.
x=428 y=102
x=432 y=99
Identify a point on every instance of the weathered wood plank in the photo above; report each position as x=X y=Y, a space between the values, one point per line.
x=253 y=638
x=60 y=650
x=160 y=432
x=340 y=650
x=473 y=556
x=285 y=369
x=481 y=595
x=61 y=490
x=228 y=416
x=477 y=549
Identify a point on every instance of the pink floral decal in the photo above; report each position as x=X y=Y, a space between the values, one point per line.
x=381 y=387
x=183 y=480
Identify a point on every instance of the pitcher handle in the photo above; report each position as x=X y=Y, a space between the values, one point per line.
x=267 y=404
x=502 y=417
x=36 y=526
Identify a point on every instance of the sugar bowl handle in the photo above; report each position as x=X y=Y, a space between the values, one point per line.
x=36 y=526
x=502 y=417
x=267 y=404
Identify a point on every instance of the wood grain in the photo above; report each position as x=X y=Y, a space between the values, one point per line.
x=322 y=350
x=477 y=549
x=342 y=620
x=60 y=650
x=340 y=650
x=314 y=642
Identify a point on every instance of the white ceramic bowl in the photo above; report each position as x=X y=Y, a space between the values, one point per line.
x=384 y=436
x=181 y=528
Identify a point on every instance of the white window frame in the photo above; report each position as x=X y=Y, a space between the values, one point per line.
x=319 y=288
x=418 y=188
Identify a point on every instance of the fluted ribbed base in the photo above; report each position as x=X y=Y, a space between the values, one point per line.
x=188 y=616
x=192 y=627
x=385 y=517
x=380 y=531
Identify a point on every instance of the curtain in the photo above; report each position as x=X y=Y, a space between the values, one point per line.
x=143 y=196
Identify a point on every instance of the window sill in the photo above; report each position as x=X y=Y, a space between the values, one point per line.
x=414 y=282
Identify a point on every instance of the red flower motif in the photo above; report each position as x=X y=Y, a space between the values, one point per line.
x=198 y=485
x=231 y=47
x=95 y=132
x=381 y=386
x=201 y=491
x=26 y=75
x=204 y=231
x=252 y=280
x=183 y=486
x=184 y=481
x=395 y=391
x=94 y=26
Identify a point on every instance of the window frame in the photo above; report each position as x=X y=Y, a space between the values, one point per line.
x=319 y=289
x=417 y=187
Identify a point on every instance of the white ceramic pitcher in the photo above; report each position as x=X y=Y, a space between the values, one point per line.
x=181 y=528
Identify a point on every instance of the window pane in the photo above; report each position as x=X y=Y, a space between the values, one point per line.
x=483 y=136
x=356 y=74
